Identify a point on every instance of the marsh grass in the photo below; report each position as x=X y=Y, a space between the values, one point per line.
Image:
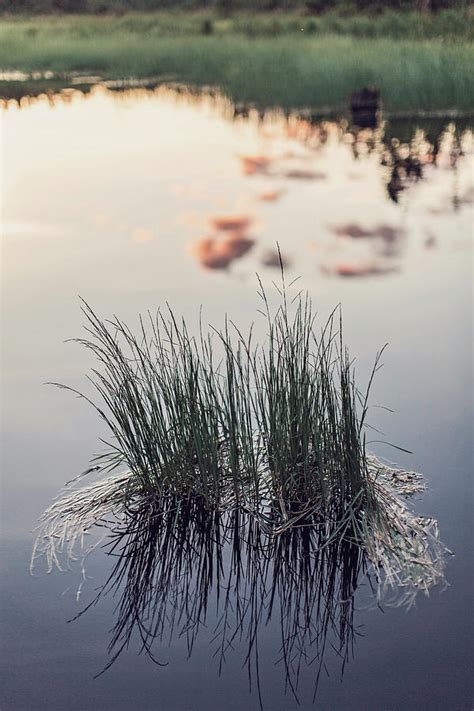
x=271 y=426
x=274 y=429
x=455 y=24
x=290 y=70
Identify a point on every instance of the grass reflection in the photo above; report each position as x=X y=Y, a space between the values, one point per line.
x=179 y=571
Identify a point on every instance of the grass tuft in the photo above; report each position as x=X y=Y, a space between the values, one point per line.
x=273 y=429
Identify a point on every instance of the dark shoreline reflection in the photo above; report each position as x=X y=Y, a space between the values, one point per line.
x=176 y=570
x=405 y=144
x=296 y=150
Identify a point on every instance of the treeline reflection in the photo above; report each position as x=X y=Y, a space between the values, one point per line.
x=404 y=145
x=401 y=152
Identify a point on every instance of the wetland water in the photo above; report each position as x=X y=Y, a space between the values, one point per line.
x=136 y=198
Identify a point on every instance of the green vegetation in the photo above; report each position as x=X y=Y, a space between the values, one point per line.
x=226 y=6
x=217 y=422
x=453 y=23
x=291 y=70
x=230 y=423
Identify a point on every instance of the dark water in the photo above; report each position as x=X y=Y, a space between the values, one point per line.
x=136 y=199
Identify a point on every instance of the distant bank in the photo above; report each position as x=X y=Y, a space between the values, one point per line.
x=420 y=61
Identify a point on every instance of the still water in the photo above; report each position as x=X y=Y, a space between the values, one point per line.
x=133 y=199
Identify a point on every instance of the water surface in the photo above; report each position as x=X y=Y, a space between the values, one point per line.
x=137 y=198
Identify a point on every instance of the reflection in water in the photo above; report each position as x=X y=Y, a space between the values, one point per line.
x=297 y=174
x=275 y=258
x=248 y=489
x=313 y=611
x=252 y=165
x=271 y=195
x=406 y=162
x=219 y=253
x=293 y=153
x=365 y=107
x=402 y=165
x=228 y=243
x=356 y=231
x=386 y=242
x=174 y=567
x=358 y=269
x=234 y=223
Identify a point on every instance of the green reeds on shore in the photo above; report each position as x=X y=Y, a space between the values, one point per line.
x=274 y=429
x=289 y=70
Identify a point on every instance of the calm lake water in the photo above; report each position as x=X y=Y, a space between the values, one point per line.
x=138 y=198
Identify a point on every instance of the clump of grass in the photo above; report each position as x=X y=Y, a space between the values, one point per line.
x=273 y=429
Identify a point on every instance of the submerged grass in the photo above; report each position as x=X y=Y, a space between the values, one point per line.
x=273 y=429
x=285 y=69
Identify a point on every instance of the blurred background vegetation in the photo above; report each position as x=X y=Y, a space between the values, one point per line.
x=210 y=19
x=312 y=7
x=270 y=52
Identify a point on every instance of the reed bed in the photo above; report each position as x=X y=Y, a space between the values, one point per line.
x=453 y=24
x=275 y=430
x=291 y=71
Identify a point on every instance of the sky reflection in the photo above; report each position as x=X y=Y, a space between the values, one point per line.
x=111 y=196
x=223 y=187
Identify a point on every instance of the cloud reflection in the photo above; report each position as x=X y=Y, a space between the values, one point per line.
x=274 y=258
x=296 y=174
x=355 y=231
x=219 y=253
x=232 y=223
x=358 y=269
x=283 y=151
x=252 y=165
x=270 y=195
